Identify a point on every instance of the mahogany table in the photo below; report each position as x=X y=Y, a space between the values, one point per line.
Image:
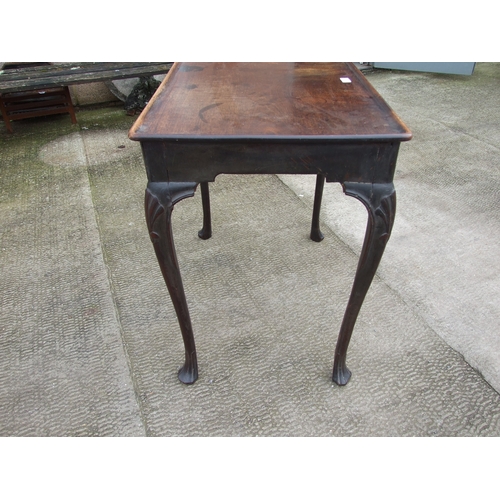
x=269 y=118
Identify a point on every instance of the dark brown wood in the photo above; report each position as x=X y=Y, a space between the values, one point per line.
x=206 y=231
x=30 y=104
x=316 y=234
x=272 y=100
x=277 y=118
x=380 y=201
x=159 y=202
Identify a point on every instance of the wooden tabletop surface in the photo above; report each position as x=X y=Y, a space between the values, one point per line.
x=288 y=101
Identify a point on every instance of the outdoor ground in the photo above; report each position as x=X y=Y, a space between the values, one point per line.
x=89 y=342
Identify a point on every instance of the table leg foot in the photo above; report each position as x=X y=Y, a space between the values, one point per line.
x=188 y=374
x=380 y=201
x=159 y=203
x=206 y=231
x=316 y=234
x=341 y=374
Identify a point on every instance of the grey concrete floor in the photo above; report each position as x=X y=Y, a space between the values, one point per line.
x=89 y=342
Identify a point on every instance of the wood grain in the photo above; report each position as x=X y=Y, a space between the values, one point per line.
x=40 y=77
x=267 y=100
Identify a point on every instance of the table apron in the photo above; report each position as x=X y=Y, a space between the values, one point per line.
x=171 y=161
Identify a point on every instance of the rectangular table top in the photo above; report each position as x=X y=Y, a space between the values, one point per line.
x=259 y=101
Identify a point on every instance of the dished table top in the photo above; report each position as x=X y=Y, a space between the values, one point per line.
x=258 y=101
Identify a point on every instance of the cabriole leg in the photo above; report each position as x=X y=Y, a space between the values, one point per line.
x=316 y=234
x=380 y=201
x=206 y=231
x=159 y=203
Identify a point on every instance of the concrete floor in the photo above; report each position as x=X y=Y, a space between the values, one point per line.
x=89 y=342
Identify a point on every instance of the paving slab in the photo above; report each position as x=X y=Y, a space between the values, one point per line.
x=266 y=304
x=63 y=369
x=90 y=343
